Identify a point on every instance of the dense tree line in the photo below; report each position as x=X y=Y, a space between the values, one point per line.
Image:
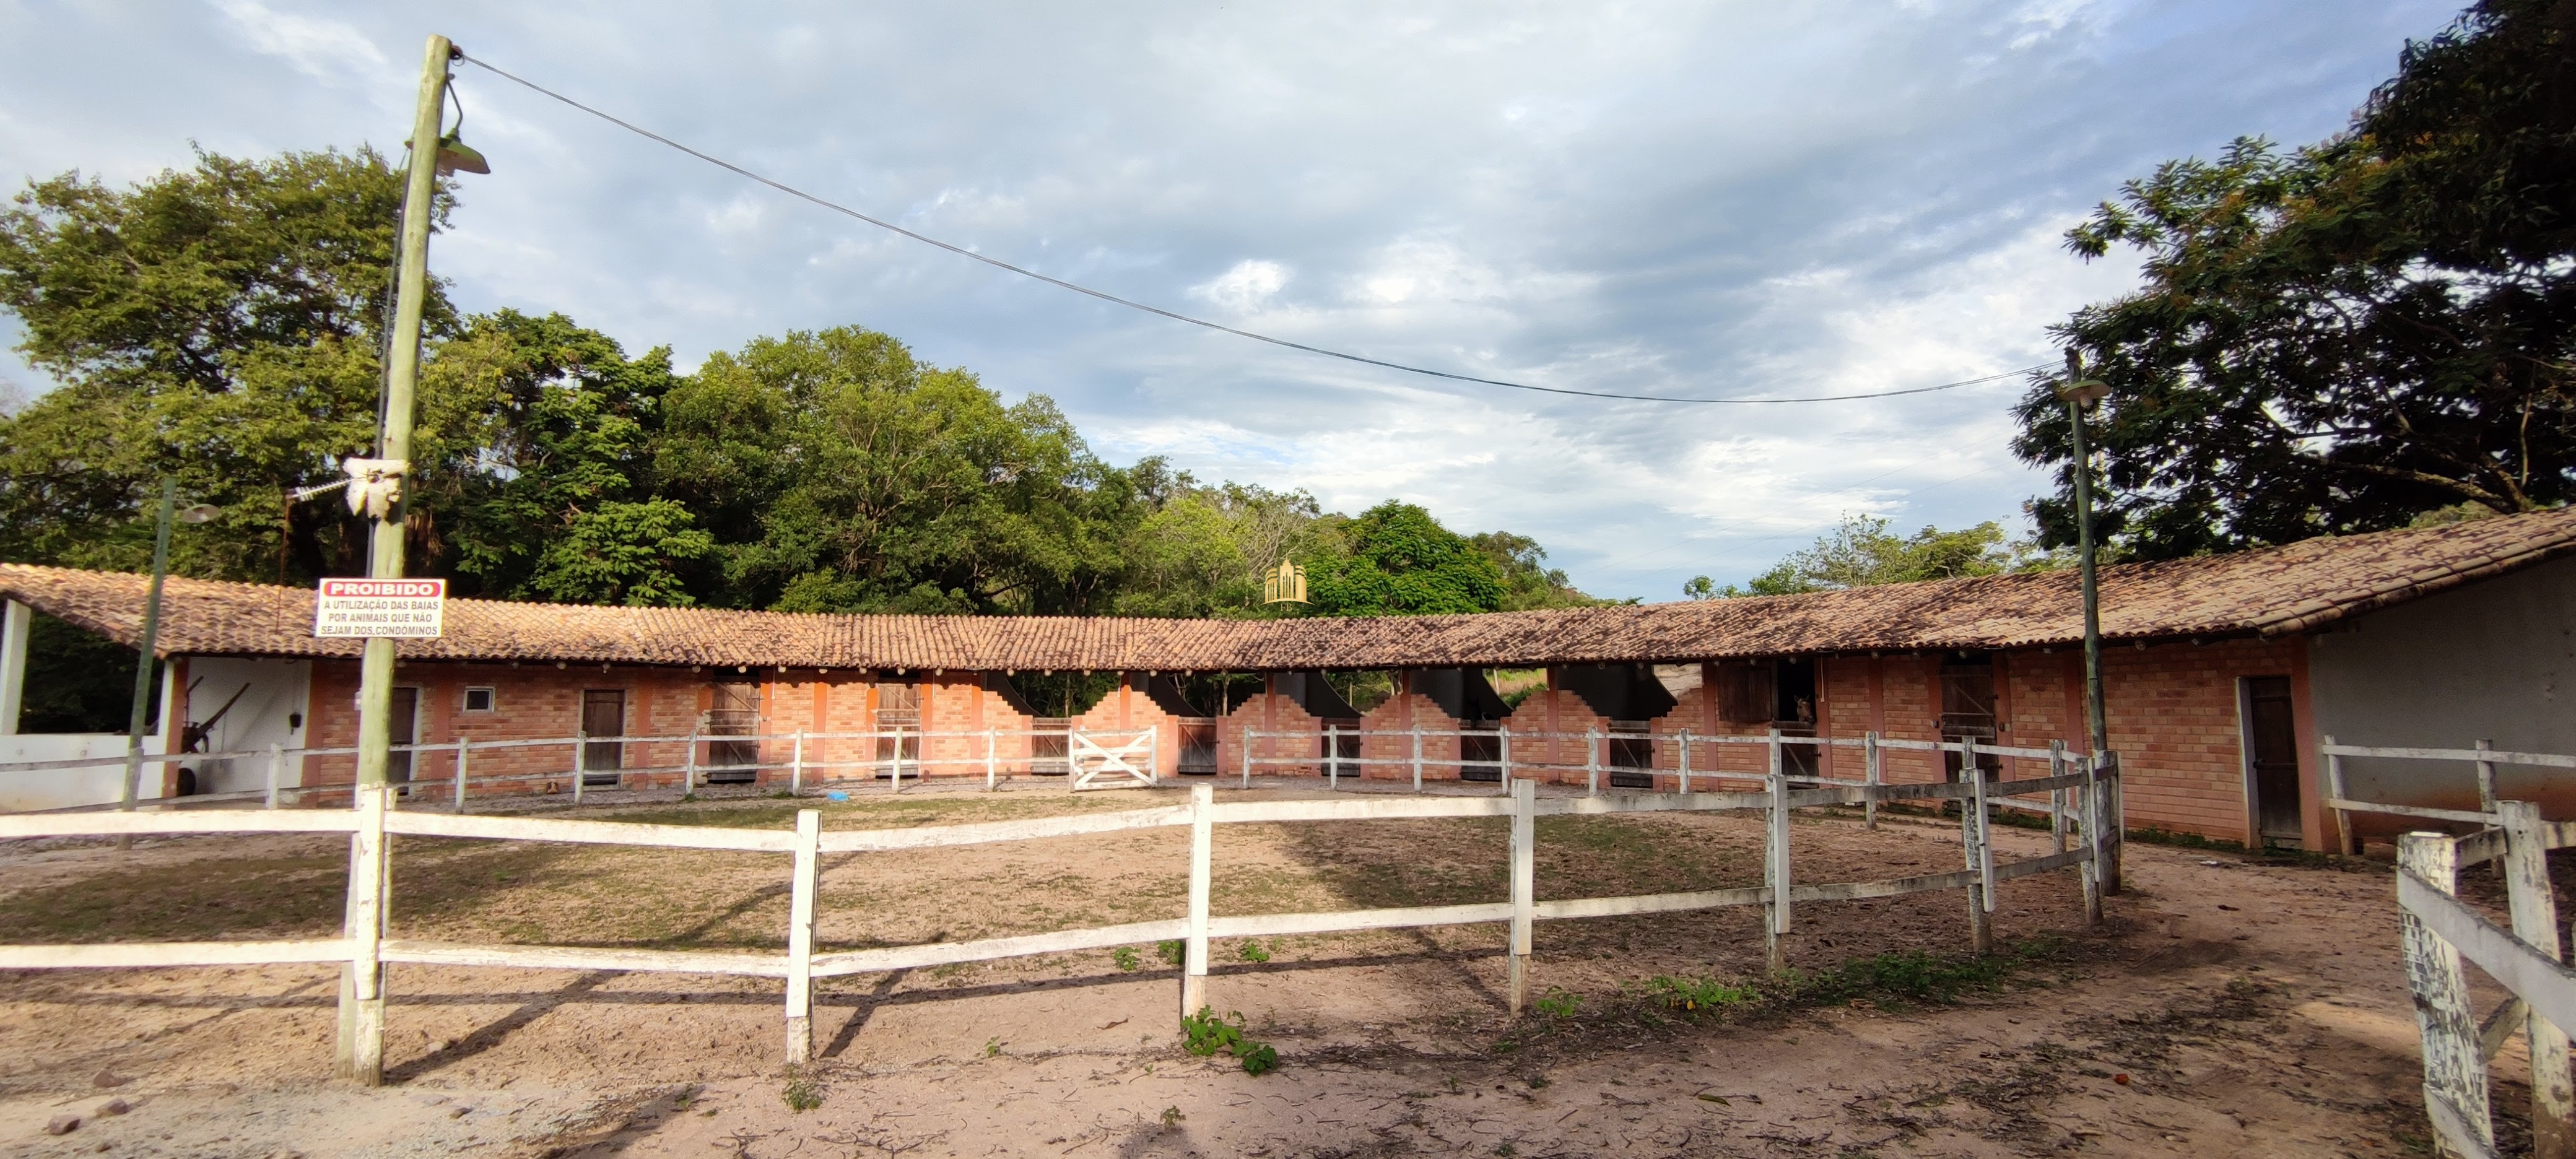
x=221 y=326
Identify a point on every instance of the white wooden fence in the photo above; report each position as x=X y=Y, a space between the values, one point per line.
x=1093 y=758
x=2083 y=797
x=2484 y=759
x=2437 y=930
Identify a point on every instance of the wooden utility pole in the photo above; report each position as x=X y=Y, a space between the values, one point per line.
x=362 y=1001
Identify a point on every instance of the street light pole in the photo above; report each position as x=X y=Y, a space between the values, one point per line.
x=143 y=661
x=362 y=983
x=2080 y=392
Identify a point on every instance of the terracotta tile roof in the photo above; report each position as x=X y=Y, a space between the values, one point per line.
x=2267 y=592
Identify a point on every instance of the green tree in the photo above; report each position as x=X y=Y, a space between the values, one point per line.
x=1527 y=580
x=838 y=473
x=219 y=325
x=2340 y=338
x=1862 y=552
x=537 y=446
x=1399 y=561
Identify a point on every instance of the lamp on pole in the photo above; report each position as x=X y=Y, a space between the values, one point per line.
x=2080 y=394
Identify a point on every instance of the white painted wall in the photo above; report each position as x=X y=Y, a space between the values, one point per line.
x=64 y=788
x=270 y=712
x=2495 y=659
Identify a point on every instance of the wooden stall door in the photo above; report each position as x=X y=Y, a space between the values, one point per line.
x=2272 y=758
x=603 y=713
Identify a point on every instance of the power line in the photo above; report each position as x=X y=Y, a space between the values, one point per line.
x=1176 y=316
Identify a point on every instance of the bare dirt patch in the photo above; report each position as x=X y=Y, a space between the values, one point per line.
x=2253 y=1008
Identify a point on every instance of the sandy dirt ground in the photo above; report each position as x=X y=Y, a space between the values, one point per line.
x=2234 y=1006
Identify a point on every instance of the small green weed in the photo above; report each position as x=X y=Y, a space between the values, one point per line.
x=801 y=1093
x=1697 y=994
x=992 y=1047
x=1559 y=1003
x=1252 y=952
x=1126 y=958
x=1204 y=1034
x=1170 y=952
x=1172 y=1117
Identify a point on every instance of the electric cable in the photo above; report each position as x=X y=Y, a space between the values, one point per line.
x=1174 y=315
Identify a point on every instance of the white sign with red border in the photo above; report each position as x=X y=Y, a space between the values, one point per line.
x=408 y=608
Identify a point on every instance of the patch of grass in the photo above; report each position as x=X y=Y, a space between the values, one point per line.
x=1895 y=979
x=992 y=1048
x=2153 y=835
x=1171 y=951
x=801 y=1093
x=1251 y=951
x=1126 y=958
x=1559 y=1003
x=1204 y=1034
x=201 y=901
x=1692 y=995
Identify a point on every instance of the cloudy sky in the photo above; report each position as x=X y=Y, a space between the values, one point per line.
x=1719 y=199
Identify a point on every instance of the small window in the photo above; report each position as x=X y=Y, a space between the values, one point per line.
x=478 y=700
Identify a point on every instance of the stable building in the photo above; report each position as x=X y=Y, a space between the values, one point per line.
x=2222 y=676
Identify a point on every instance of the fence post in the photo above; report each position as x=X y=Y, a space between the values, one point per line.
x=463 y=747
x=277 y=765
x=897 y=765
x=992 y=759
x=1417 y=755
x=800 y=936
x=1972 y=849
x=2057 y=797
x=1684 y=764
x=2115 y=819
x=1194 y=952
x=2088 y=819
x=1332 y=756
x=2344 y=843
x=1591 y=763
x=2455 y=1074
x=795 y=764
x=362 y=982
x=580 y=758
x=2486 y=779
x=1248 y=736
x=1524 y=890
x=1503 y=754
x=1873 y=772
x=1775 y=864
x=2535 y=920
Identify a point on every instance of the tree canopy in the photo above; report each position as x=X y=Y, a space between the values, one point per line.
x=1861 y=551
x=221 y=325
x=2344 y=337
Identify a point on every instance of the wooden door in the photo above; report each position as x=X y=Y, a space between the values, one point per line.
x=2272 y=758
x=403 y=728
x=736 y=713
x=603 y=713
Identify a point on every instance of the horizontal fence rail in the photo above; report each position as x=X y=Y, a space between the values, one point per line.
x=2085 y=797
x=2483 y=759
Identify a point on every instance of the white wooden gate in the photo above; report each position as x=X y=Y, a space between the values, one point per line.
x=1097 y=766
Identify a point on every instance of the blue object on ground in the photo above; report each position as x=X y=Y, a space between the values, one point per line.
x=836 y=795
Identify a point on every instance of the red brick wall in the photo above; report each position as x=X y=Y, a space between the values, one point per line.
x=1559 y=712
x=1391 y=757
x=1269 y=712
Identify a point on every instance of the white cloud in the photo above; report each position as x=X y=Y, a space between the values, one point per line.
x=1664 y=198
x=1246 y=287
x=327 y=50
